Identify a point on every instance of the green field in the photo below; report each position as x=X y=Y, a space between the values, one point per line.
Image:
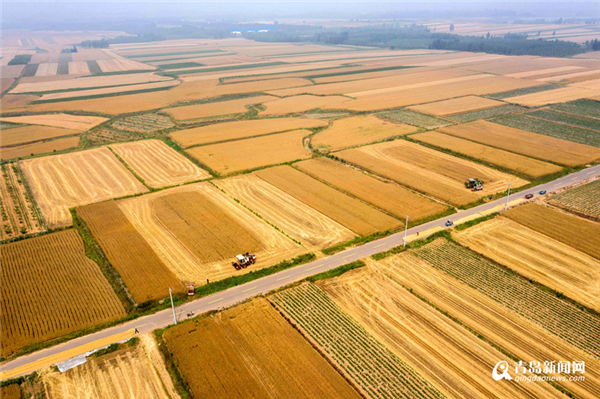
x=522 y=92
x=585 y=123
x=581 y=107
x=486 y=113
x=582 y=200
x=414 y=119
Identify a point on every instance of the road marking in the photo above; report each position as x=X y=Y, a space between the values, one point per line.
x=574 y=178
x=557 y=184
x=249 y=289
x=216 y=300
x=283 y=278
x=314 y=267
x=347 y=256
x=590 y=172
x=380 y=245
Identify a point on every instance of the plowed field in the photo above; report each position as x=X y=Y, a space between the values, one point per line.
x=199 y=228
x=63 y=181
x=456 y=106
x=254 y=346
x=50 y=289
x=357 y=130
x=158 y=164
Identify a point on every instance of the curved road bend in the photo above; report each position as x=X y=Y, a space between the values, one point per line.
x=29 y=363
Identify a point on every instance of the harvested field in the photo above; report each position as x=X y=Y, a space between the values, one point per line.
x=105 y=92
x=583 y=107
x=30 y=134
x=64 y=181
x=414 y=119
x=253 y=153
x=388 y=196
x=551 y=96
x=20 y=215
x=10 y=102
x=12 y=391
x=525 y=143
x=147 y=123
x=5 y=84
x=578 y=233
x=253 y=345
x=429 y=342
x=373 y=368
x=538 y=257
x=486 y=113
x=582 y=200
x=456 y=106
x=47 y=69
x=504 y=327
x=195 y=258
x=429 y=171
x=357 y=130
x=216 y=109
x=543 y=308
x=523 y=91
x=241 y=129
x=12 y=71
x=51 y=270
x=145 y=275
x=543 y=72
x=158 y=164
x=593 y=84
x=79 y=68
x=66 y=121
x=518 y=163
x=301 y=103
x=298 y=220
x=122 y=64
x=131 y=373
x=39 y=148
x=349 y=212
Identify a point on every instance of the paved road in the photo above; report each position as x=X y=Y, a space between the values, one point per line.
x=29 y=363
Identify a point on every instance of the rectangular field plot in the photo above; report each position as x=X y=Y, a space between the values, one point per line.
x=414 y=119
x=298 y=220
x=131 y=373
x=197 y=230
x=582 y=200
x=525 y=143
x=543 y=308
x=576 y=232
x=456 y=106
x=63 y=181
x=357 y=130
x=158 y=164
x=50 y=289
x=65 y=121
x=588 y=108
x=142 y=271
x=253 y=345
x=518 y=163
x=551 y=96
x=429 y=342
x=220 y=108
x=301 y=103
x=349 y=212
x=388 y=196
x=241 y=129
x=486 y=113
x=538 y=257
x=506 y=328
x=42 y=147
x=373 y=368
x=145 y=123
x=428 y=171
x=253 y=153
x=29 y=134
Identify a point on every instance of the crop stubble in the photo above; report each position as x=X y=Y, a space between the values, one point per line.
x=216 y=109
x=30 y=134
x=65 y=121
x=456 y=106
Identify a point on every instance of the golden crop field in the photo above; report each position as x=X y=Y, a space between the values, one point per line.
x=50 y=289
x=131 y=373
x=107 y=91
x=506 y=328
x=122 y=64
x=253 y=345
x=190 y=260
x=518 y=163
x=79 y=68
x=39 y=148
x=432 y=344
x=158 y=164
x=521 y=142
x=29 y=134
x=216 y=108
x=66 y=121
x=347 y=211
x=301 y=103
x=538 y=257
x=551 y=96
x=456 y=106
x=357 y=130
x=64 y=181
x=578 y=233
x=241 y=129
x=235 y=156
x=429 y=171
x=388 y=196
x=144 y=274
x=298 y=220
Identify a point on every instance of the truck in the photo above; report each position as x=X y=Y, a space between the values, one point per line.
x=243 y=260
x=474 y=183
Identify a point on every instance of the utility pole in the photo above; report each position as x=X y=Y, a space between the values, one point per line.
x=405 y=229
x=507 y=197
x=172 y=305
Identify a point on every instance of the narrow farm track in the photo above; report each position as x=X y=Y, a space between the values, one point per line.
x=26 y=364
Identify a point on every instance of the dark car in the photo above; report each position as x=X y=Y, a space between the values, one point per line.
x=528 y=196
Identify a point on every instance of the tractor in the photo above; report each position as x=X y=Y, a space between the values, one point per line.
x=474 y=184
x=242 y=261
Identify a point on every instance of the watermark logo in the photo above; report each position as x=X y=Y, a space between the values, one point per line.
x=501 y=371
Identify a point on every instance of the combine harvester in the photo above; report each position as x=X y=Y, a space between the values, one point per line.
x=474 y=184
x=242 y=261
